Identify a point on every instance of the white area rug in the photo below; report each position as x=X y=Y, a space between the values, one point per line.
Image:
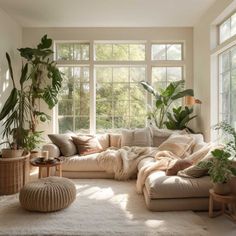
x=102 y=207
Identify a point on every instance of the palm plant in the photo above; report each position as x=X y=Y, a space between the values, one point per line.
x=40 y=80
x=164 y=99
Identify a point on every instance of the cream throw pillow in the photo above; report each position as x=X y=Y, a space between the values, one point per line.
x=137 y=137
x=178 y=144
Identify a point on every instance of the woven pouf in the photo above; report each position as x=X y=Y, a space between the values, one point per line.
x=48 y=194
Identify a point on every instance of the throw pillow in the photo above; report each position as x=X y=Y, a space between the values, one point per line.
x=161 y=135
x=137 y=137
x=178 y=144
x=87 y=144
x=193 y=172
x=177 y=165
x=65 y=144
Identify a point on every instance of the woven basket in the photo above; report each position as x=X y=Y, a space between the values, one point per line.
x=14 y=173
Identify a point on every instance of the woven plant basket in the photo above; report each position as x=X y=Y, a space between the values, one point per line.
x=14 y=173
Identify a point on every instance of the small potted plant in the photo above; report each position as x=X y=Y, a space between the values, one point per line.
x=221 y=170
x=220 y=166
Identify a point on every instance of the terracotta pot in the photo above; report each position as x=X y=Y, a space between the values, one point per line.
x=222 y=188
x=11 y=153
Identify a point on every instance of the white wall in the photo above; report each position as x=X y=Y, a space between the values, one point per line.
x=10 y=40
x=31 y=37
x=205 y=69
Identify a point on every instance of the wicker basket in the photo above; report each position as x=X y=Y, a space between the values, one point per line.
x=14 y=173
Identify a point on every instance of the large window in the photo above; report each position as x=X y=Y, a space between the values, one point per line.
x=101 y=87
x=227 y=29
x=227 y=86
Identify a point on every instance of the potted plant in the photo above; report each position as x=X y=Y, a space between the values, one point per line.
x=164 y=99
x=179 y=118
x=40 y=80
x=220 y=166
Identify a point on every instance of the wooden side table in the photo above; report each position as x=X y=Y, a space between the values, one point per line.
x=48 y=165
x=228 y=203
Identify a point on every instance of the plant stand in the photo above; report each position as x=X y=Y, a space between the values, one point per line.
x=14 y=173
x=228 y=205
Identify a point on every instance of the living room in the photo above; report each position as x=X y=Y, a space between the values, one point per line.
x=117 y=117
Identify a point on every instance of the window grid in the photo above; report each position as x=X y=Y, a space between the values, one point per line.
x=92 y=64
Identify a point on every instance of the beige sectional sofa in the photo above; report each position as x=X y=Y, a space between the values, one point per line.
x=161 y=192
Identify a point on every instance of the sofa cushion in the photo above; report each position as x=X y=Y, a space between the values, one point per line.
x=87 y=144
x=115 y=140
x=161 y=135
x=137 y=137
x=82 y=163
x=104 y=141
x=177 y=165
x=178 y=144
x=65 y=143
x=158 y=185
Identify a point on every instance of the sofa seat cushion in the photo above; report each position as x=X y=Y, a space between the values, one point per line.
x=81 y=163
x=158 y=185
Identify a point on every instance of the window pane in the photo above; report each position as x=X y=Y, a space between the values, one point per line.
x=103 y=123
x=120 y=52
x=103 y=74
x=225 y=30
x=103 y=91
x=66 y=91
x=82 y=124
x=104 y=108
x=121 y=74
x=174 y=73
x=159 y=74
x=64 y=51
x=65 y=107
x=137 y=52
x=158 y=52
x=233 y=24
x=81 y=51
x=103 y=52
x=225 y=62
x=65 y=124
x=137 y=74
x=233 y=58
x=174 y=52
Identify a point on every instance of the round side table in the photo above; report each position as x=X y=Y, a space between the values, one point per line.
x=228 y=203
x=47 y=165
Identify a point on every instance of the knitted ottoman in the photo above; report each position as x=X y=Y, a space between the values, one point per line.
x=48 y=194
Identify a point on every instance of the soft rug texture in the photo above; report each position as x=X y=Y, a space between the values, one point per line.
x=102 y=207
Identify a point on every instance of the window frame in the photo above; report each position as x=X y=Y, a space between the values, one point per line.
x=92 y=63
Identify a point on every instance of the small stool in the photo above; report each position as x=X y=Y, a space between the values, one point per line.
x=227 y=205
x=48 y=194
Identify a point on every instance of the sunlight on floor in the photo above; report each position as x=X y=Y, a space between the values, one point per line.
x=154 y=223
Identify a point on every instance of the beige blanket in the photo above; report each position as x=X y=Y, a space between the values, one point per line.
x=123 y=162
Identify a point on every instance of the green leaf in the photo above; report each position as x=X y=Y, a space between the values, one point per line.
x=187 y=92
x=149 y=88
x=45 y=43
x=9 y=104
x=10 y=69
x=159 y=103
x=24 y=72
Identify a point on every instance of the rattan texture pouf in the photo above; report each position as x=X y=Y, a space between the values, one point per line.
x=48 y=194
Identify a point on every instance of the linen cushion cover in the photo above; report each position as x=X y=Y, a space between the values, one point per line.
x=137 y=137
x=65 y=143
x=177 y=165
x=178 y=144
x=87 y=144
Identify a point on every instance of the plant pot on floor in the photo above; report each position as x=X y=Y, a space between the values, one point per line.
x=11 y=153
x=222 y=188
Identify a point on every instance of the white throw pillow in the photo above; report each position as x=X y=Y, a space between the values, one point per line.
x=137 y=137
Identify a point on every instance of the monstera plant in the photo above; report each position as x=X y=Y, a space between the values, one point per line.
x=164 y=98
x=40 y=81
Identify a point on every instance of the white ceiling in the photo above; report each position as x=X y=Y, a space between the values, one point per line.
x=106 y=13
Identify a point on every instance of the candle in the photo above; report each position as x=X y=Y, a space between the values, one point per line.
x=45 y=155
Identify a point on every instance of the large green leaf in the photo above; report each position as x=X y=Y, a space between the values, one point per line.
x=24 y=74
x=10 y=69
x=9 y=104
x=149 y=88
x=187 y=92
x=45 y=43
